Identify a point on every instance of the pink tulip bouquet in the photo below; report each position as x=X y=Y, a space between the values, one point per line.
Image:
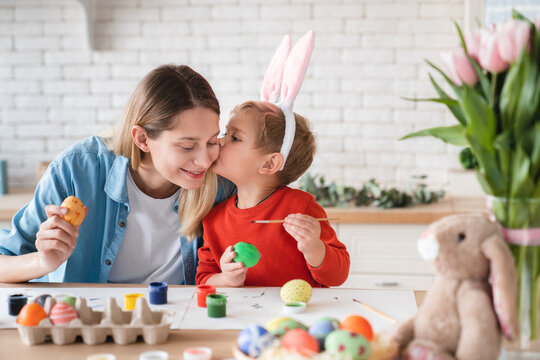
x=495 y=78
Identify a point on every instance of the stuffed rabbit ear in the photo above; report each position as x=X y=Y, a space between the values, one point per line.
x=271 y=85
x=295 y=68
x=504 y=284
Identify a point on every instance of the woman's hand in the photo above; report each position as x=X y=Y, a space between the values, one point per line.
x=233 y=273
x=307 y=233
x=56 y=239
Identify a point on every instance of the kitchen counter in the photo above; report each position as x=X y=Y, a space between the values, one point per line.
x=13 y=201
x=419 y=214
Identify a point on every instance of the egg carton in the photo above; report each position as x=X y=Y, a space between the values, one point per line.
x=95 y=326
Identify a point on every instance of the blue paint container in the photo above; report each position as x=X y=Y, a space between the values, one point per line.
x=158 y=293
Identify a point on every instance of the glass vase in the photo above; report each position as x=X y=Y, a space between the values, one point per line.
x=520 y=219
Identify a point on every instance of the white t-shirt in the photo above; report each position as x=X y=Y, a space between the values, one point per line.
x=150 y=250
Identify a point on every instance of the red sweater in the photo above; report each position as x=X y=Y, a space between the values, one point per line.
x=281 y=260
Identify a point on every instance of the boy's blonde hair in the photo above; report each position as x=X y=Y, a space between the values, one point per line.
x=154 y=105
x=271 y=128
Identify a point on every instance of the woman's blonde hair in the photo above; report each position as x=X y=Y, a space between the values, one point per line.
x=154 y=105
x=271 y=129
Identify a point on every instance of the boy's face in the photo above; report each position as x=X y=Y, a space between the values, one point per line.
x=239 y=159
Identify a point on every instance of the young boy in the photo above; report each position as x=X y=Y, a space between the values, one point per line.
x=300 y=248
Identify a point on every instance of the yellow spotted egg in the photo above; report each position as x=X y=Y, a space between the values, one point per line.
x=296 y=290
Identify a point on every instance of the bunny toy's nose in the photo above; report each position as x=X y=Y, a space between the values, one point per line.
x=428 y=247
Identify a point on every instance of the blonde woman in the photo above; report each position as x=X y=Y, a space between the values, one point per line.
x=146 y=189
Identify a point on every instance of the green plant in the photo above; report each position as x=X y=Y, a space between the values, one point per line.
x=371 y=193
x=495 y=78
x=467 y=159
x=497 y=108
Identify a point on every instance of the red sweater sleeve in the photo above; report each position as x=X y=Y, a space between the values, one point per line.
x=207 y=265
x=335 y=267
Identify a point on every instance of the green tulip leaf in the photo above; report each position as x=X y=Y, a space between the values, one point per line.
x=454 y=135
x=453 y=107
x=457 y=89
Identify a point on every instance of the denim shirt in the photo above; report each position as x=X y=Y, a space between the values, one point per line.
x=97 y=176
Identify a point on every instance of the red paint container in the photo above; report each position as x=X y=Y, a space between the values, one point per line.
x=202 y=291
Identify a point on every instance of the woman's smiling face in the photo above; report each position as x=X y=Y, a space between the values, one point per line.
x=183 y=154
x=239 y=159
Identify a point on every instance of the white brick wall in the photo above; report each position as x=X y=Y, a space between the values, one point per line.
x=55 y=91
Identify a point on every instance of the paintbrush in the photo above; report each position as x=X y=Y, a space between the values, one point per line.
x=389 y=318
x=282 y=221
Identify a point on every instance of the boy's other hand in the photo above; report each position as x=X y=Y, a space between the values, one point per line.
x=234 y=273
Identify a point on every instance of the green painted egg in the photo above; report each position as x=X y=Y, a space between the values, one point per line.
x=343 y=342
x=246 y=253
x=275 y=322
x=285 y=326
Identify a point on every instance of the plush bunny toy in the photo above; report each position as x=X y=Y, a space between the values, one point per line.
x=472 y=298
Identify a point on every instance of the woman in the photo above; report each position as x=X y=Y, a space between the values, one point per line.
x=136 y=185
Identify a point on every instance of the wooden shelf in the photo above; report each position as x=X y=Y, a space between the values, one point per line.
x=419 y=214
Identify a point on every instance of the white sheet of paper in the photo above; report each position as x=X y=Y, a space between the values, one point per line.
x=260 y=305
x=244 y=305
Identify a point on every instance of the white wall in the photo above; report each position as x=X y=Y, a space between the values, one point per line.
x=369 y=53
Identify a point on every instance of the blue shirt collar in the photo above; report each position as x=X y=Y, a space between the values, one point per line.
x=115 y=185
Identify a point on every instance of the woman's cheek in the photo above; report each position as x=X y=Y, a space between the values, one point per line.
x=214 y=153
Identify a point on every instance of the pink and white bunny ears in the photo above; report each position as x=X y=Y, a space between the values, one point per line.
x=283 y=80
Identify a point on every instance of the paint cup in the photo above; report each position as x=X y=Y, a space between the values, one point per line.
x=154 y=355
x=217 y=305
x=16 y=303
x=158 y=293
x=101 y=357
x=198 y=353
x=130 y=300
x=202 y=292
x=294 y=307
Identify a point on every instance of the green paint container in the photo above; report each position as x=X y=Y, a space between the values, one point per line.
x=216 y=305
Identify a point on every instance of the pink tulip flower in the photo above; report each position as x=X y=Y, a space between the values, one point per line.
x=488 y=56
x=472 y=42
x=458 y=67
x=512 y=36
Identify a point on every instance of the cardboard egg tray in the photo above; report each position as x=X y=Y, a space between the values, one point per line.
x=95 y=326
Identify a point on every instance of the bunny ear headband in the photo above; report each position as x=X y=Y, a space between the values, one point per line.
x=283 y=80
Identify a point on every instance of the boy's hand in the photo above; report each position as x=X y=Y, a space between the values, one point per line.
x=307 y=232
x=233 y=273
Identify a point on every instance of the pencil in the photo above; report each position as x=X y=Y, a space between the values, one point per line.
x=389 y=318
x=282 y=221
